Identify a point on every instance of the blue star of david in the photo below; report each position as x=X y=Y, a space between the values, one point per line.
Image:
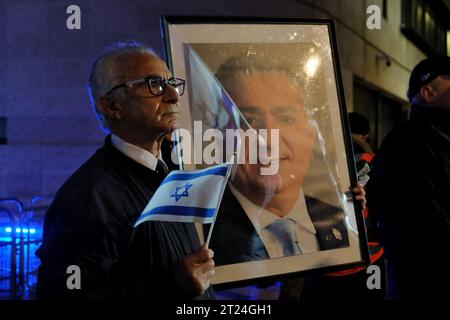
x=181 y=191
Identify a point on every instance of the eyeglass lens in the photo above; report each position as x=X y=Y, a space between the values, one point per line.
x=158 y=85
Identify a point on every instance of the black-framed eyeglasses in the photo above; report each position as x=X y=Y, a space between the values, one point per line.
x=156 y=85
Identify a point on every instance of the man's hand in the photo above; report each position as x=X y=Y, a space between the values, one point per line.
x=193 y=274
x=360 y=195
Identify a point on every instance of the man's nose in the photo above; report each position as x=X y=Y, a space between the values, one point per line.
x=270 y=123
x=171 y=95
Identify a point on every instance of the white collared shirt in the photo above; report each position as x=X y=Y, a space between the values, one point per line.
x=136 y=153
x=261 y=218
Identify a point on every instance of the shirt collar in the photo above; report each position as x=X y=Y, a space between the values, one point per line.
x=136 y=153
x=261 y=217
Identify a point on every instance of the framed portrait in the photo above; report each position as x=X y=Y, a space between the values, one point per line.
x=267 y=93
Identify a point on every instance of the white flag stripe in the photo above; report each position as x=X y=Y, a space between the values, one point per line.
x=192 y=196
x=200 y=192
x=175 y=218
x=220 y=170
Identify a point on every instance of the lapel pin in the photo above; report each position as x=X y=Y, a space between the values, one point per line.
x=337 y=234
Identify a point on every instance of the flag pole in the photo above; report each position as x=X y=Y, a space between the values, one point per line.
x=224 y=184
x=179 y=150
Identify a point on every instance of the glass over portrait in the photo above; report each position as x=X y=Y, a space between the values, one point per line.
x=270 y=94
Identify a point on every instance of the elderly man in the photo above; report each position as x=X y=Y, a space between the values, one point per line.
x=410 y=187
x=90 y=223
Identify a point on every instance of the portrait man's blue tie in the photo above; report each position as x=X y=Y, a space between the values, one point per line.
x=283 y=231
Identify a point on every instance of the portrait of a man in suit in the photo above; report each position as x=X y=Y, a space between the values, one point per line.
x=272 y=216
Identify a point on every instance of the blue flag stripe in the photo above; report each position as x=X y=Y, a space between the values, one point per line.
x=180 y=211
x=220 y=171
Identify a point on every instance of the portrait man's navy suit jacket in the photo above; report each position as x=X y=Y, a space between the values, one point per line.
x=234 y=239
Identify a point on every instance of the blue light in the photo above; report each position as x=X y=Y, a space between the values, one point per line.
x=20 y=230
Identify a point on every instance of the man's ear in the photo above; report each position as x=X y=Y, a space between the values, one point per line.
x=428 y=93
x=110 y=108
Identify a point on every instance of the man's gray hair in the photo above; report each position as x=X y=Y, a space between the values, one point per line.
x=104 y=76
x=248 y=64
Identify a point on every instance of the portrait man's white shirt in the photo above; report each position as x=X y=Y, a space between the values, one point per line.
x=261 y=218
x=136 y=153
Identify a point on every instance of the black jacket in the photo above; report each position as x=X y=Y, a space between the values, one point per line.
x=90 y=224
x=233 y=239
x=409 y=191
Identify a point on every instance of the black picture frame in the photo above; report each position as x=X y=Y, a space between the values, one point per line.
x=217 y=34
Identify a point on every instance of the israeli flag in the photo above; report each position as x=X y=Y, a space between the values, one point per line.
x=188 y=196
